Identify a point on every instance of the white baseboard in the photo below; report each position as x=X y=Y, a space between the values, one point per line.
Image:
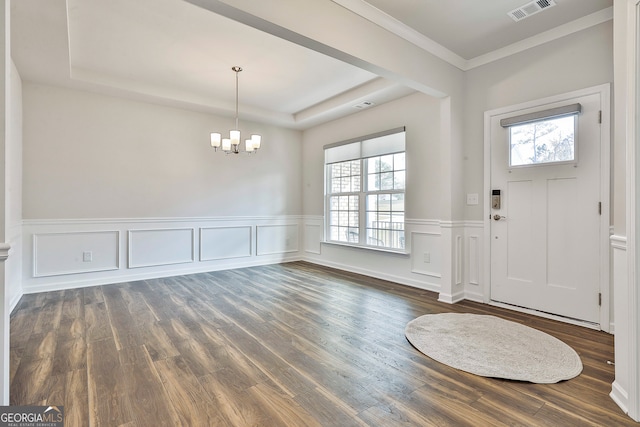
x=15 y=300
x=139 y=274
x=376 y=274
x=451 y=298
x=620 y=396
x=474 y=296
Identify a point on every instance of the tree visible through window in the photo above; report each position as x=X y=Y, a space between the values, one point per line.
x=544 y=141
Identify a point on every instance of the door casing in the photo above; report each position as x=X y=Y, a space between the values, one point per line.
x=605 y=155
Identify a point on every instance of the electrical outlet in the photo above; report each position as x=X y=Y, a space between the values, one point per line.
x=427 y=257
x=87 y=256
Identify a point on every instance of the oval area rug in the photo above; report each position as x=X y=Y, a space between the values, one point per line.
x=493 y=347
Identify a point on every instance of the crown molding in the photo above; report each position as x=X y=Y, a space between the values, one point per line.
x=569 y=28
x=391 y=24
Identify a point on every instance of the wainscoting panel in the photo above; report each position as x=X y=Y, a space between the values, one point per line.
x=276 y=239
x=138 y=249
x=313 y=237
x=426 y=253
x=621 y=308
x=225 y=242
x=473 y=261
x=56 y=254
x=458 y=260
x=146 y=248
x=149 y=248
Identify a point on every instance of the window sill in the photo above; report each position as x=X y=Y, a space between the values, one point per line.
x=369 y=248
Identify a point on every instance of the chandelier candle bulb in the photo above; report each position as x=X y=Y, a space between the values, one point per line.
x=234 y=135
x=256 y=141
x=215 y=140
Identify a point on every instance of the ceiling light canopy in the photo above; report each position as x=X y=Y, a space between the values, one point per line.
x=232 y=144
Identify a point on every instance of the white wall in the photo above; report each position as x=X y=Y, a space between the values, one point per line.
x=93 y=156
x=137 y=188
x=619 y=128
x=13 y=172
x=420 y=114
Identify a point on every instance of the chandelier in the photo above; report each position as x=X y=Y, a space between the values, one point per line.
x=232 y=144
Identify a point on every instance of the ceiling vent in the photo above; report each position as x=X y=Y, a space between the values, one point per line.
x=530 y=9
x=363 y=105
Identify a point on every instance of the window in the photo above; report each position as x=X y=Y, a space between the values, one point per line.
x=544 y=141
x=543 y=137
x=365 y=191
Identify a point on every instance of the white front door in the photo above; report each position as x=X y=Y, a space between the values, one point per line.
x=545 y=235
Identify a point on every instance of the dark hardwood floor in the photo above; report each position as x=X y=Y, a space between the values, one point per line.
x=282 y=345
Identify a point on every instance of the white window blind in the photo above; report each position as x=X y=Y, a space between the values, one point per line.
x=551 y=113
x=388 y=142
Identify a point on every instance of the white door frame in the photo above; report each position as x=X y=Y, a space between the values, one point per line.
x=605 y=155
x=626 y=387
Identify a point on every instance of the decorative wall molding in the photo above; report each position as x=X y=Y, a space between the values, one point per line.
x=457 y=260
x=139 y=249
x=274 y=239
x=453 y=224
x=5 y=248
x=162 y=246
x=238 y=241
x=619 y=260
x=412 y=222
x=313 y=238
x=61 y=253
x=474 y=259
x=618 y=242
x=378 y=17
x=425 y=253
x=196 y=219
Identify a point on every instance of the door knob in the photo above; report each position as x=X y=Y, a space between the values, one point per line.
x=499 y=217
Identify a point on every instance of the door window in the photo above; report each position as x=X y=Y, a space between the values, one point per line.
x=543 y=141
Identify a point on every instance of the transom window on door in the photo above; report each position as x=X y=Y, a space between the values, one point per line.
x=365 y=191
x=543 y=137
